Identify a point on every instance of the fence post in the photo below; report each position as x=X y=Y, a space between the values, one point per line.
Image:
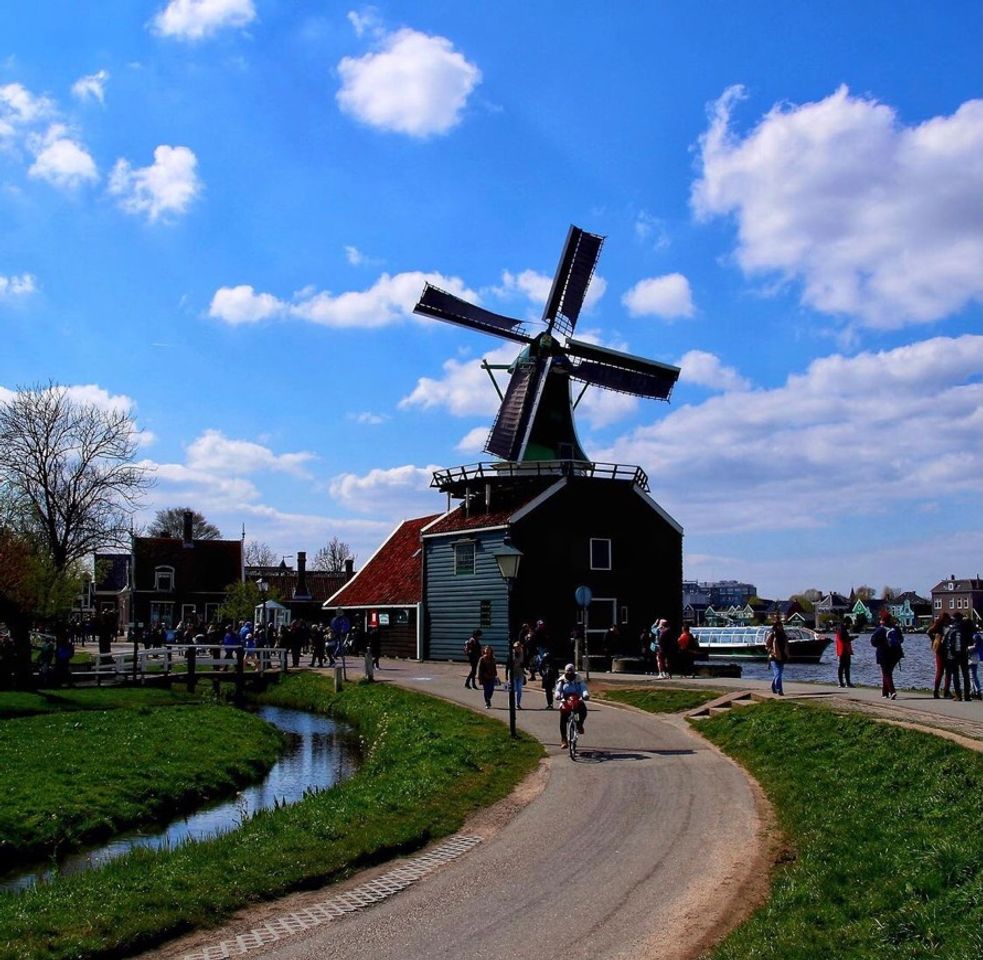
x=240 y=674
x=191 y=655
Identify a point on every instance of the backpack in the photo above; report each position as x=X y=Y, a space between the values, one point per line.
x=470 y=646
x=894 y=638
x=953 y=641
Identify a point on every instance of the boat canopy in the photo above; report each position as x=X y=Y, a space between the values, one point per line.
x=751 y=636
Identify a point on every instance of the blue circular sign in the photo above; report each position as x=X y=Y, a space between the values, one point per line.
x=583 y=596
x=341 y=625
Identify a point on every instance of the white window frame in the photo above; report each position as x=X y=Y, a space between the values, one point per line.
x=159 y=574
x=162 y=607
x=460 y=569
x=590 y=556
x=211 y=612
x=187 y=608
x=938 y=603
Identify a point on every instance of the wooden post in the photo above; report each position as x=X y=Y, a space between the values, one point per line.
x=240 y=674
x=191 y=655
x=136 y=653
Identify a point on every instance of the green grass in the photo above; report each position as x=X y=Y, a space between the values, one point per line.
x=22 y=704
x=426 y=765
x=883 y=826
x=660 y=701
x=80 y=775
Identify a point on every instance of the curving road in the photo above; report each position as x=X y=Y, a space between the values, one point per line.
x=650 y=847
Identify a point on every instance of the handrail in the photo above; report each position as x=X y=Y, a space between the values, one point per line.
x=488 y=470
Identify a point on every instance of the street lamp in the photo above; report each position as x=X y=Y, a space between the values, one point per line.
x=508 y=558
x=264 y=586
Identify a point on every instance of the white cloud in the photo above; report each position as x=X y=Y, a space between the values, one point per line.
x=389 y=300
x=365 y=21
x=464 y=389
x=196 y=19
x=20 y=286
x=651 y=230
x=60 y=159
x=93 y=85
x=474 y=440
x=167 y=186
x=849 y=436
x=397 y=492
x=668 y=297
x=19 y=108
x=877 y=221
x=601 y=408
x=415 y=84
x=213 y=451
x=706 y=370
x=367 y=418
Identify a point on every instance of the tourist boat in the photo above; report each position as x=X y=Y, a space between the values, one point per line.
x=748 y=643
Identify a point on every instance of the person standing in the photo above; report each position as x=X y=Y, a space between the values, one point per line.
x=844 y=654
x=487 y=674
x=472 y=650
x=687 y=647
x=518 y=674
x=667 y=650
x=548 y=673
x=975 y=655
x=958 y=641
x=777 y=647
x=886 y=640
x=375 y=646
x=936 y=636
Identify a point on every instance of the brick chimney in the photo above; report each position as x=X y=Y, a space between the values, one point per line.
x=300 y=587
x=188 y=530
x=349 y=568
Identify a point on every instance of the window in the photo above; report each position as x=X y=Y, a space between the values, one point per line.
x=600 y=554
x=211 y=612
x=938 y=603
x=624 y=615
x=164 y=578
x=189 y=613
x=952 y=603
x=484 y=613
x=162 y=613
x=464 y=559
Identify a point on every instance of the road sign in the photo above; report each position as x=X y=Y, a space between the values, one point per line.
x=341 y=625
x=583 y=596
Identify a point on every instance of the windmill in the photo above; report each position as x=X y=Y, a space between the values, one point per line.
x=535 y=419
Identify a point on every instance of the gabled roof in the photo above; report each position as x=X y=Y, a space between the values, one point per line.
x=393 y=575
x=477 y=517
x=833 y=599
x=208 y=565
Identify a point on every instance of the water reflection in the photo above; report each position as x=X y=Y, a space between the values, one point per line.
x=319 y=753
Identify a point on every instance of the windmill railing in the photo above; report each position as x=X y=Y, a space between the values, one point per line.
x=496 y=470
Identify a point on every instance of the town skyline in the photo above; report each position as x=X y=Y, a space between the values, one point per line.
x=219 y=218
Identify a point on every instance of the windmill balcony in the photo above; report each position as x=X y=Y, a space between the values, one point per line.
x=453 y=479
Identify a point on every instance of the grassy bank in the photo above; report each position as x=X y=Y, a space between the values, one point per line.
x=427 y=765
x=883 y=827
x=15 y=703
x=660 y=701
x=82 y=773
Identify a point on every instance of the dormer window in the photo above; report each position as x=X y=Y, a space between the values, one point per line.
x=164 y=578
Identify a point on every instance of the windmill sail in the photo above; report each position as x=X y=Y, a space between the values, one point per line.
x=621 y=371
x=573 y=276
x=438 y=303
x=507 y=432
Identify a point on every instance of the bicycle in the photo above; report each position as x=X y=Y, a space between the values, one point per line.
x=573 y=719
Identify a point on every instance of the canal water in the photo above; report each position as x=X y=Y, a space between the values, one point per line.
x=319 y=753
x=915 y=672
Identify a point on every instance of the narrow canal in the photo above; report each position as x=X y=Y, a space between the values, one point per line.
x=318 y=754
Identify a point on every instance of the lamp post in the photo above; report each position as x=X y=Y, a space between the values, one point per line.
x=508 y=558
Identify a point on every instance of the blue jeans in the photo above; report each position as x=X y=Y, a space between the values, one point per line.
x=777 y=667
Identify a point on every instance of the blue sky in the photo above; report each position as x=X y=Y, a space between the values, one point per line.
x=219 y=213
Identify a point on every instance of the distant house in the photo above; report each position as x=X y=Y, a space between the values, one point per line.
x=388 y=592
x=959 y=595
x=181 y=580
x=910 y=610
x=830 y=610
x=301 y=592
x=867 y=612
x=695 y=613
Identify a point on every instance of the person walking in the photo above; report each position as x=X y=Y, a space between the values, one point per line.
x=844 y=654
x=549 y=675
x=667 y=650
x=472 y=650
x=958 y=642
x=487 y=674
x=777 y=647
x=375 y=646
x=975 y=655
x=936 y=636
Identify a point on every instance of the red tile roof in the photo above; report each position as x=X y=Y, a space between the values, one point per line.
x=393 y=576
x=478 y=518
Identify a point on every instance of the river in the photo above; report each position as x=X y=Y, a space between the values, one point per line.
x=319 y=753
x=915 y=672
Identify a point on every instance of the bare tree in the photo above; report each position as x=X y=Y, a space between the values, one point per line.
x=170 y=523
x=259 y=554
x=889 y=593
x=67 y=472
x=863 y=592
x=332 y=556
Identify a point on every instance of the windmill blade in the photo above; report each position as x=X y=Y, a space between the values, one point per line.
x=442 y=305
x=621 y=371
x=572 y=278
x=508 y=431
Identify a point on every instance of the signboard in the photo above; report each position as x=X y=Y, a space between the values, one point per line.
x=341 y=626
x=583 y=596
x=373 y=619
x=383 y=619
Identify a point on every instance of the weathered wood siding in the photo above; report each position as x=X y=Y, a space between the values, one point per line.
x=454 y=601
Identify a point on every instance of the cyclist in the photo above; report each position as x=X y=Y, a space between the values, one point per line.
x=571 y=686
